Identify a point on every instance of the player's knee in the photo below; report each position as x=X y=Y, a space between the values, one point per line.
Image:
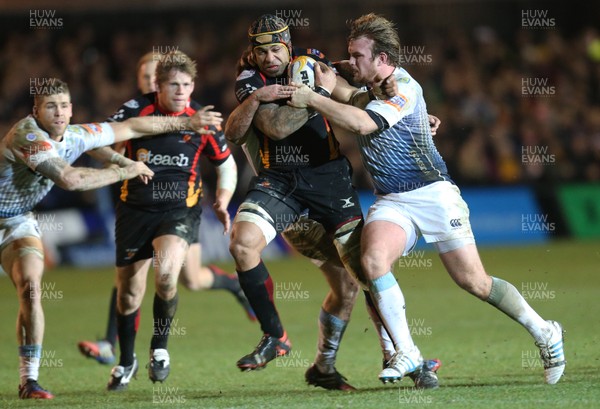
x=29 y=290
x=129 y=301
x=374 y=262
x=166 y=292
x=241 y=249
x=472 y=285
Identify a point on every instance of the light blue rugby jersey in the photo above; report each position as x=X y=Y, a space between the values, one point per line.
x=402 y=157
x=26 y=146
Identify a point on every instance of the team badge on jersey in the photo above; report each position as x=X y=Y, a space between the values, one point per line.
x=246 y=74
x=316 y=52
x=132 y=103
x=397 y=102
x=92 y=128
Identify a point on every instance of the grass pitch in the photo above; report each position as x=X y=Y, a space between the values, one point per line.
x=489 y=361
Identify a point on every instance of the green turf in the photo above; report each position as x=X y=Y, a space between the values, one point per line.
x=488 y=360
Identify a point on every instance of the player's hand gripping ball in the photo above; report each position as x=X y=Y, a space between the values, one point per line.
x=302 y=71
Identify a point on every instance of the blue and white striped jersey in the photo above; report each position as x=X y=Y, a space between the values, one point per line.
x=402 y=157
x=25 y=146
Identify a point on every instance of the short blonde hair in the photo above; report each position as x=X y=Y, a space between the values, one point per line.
x=174 y=60
x=55 y=87
x=381 y=31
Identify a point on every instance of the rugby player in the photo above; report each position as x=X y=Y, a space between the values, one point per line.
x=156 y=222
x=193 y=276
x=415 y=196
x=36 y=154
x=281 y=192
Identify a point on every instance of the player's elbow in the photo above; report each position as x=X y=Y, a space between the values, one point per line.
x=234 y=137
x=278 y=133
x=362 y=128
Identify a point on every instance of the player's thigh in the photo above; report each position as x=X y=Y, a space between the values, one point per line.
x=21 y=250
x=170 y=252
x=23 y=260
x=310 y=239
x=134 y=232
x=192 y=266
x=382 y=243
x=177 y=229
x=329 y=195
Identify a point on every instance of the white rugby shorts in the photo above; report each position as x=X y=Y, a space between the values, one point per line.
x=436 y=211
x=17 y=227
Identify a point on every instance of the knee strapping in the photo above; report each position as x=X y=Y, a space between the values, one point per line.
x=25 y=251
x=253 y=213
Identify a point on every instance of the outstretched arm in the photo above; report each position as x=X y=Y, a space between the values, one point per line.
x=109 y=156
x=76 y=178
x=153 y=125
x=345 y=116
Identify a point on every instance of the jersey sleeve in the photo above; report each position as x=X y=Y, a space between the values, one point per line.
x=246 y=83
x=397 y=107
x=33 y=147
x=93 y=135
x=216 y=148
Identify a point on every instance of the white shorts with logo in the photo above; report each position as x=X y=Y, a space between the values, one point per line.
x=436 y=211
x=17 y=227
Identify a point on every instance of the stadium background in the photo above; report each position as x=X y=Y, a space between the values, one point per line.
x=516 y=85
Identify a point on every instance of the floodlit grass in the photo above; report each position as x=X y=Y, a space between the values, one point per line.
x=488 y=360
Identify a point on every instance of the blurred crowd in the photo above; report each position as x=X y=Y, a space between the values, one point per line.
x=521 y=107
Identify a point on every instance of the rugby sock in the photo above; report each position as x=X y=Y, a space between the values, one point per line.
x=126 y=325
x=387 y=346
x=331 y=331
x=29 y=362
x=111 y=328
x=507 y=299
x=389 y=301
x=112 y=331
x=164 y=311
x=222 y=280
x=258 y=287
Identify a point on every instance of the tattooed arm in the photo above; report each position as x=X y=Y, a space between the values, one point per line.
x=76 y=178
x=109 y=156
x=241 y=118
x=279 y=122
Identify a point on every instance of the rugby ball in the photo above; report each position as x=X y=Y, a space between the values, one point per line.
x=302 y=70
